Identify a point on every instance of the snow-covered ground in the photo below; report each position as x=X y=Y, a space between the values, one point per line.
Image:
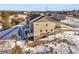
x=72 y=22
x=61 y=43
x=59 y=48
x=62 y=48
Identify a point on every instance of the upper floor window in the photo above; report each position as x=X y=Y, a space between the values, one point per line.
x=46 y=30
x=51 y=29
x=36 y=24
x=46 y=24
x=41 y=30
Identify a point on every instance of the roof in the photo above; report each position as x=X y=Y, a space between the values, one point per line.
x=33 y=16
x=54 y=18
x=41 y=17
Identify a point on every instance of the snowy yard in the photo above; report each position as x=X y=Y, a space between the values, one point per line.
x=71 y=45
x=61 y=43
x=72 y=22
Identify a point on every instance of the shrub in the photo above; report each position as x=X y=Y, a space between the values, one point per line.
x=16 y=50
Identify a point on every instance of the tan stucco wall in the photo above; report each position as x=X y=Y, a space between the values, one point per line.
x=37 y=26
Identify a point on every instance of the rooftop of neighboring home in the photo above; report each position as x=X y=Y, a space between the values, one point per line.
x=55 y=17
x=31 y=17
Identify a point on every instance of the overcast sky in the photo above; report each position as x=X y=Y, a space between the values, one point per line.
x=38 y=7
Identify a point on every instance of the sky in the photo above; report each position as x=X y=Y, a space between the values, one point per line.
x=38 y=7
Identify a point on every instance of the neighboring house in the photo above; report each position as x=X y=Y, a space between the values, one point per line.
x=42 y=25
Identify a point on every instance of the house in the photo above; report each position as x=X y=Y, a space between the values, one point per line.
x=42 y=25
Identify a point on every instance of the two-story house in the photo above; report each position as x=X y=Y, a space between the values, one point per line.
x=42 y=25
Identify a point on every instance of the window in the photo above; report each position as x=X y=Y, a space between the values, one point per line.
x=41 y=30
x=36 y=24
x=51 y=29
x=46 y=30
x=46 y=24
